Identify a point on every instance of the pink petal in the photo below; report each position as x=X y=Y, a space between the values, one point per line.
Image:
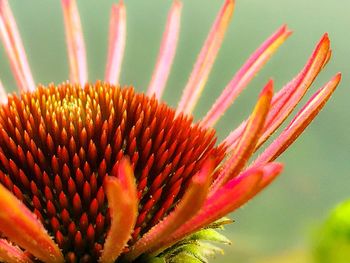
x=287 y=98
x=234 y=164
x=166 y=52
x=122 y=199
x=28 y=232
x=206 y=59
x=3 y=94
x=188 y=207
x=230 y=197
x=245 y=75
x=14 y=48
x=291 y=96
x=271 y=171
x=300 y=122
x=75 y=42
x=12 y=254
x=117 y=39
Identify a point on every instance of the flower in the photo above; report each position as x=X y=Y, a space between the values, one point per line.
x=98 y=172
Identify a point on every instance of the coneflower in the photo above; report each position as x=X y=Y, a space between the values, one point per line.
x=99 y=172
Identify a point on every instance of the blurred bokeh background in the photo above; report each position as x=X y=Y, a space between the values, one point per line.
x=282 y=219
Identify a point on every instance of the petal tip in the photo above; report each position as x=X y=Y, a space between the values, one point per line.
x=338 y=77
x=177 y=3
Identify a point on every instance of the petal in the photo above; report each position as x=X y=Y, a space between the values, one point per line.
x=166 y=52
x=228 y=198
x=75 y=42
x=29 y=233
x=117 y=39
x=3 y=94
x=270 y=172
x=282 y=107
x=188 y=207
x=245 y=75
x=14 y=48
x=123 y=204
x=206 y=59
x=300 y=122
x=287 y=98
x=233 y=165
x=12 y=254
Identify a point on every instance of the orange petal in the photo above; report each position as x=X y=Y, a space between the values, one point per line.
x=123 y=204
x=75 y=42
x=166 y=52
x=206 y=59
x=187 y=208
x=3 y=94
x=287 y=98
x=256 y=61
x=117 y=39
x=233 y=165
x=14 y=48
x=300 y=122
x=28 y=232
x=12 y=254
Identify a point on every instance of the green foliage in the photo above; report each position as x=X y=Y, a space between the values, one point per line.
x=196 y=248
x=333 y=239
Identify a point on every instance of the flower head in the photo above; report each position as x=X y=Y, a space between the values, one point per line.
x=99 y=172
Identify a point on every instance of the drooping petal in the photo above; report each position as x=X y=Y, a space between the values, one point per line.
x=228 y=198
x=12 y=254
x=75 y=42
x=299 y=123
x=245 y=75
x=167 y=51
x=206 y=59
x=289 y=96
x=281 y=108
x=271 y=171
x=122 y=199
x=117 y=39
x=3 y=95
x=14 y=48
x=189 y=205
x=28 y=232
x=233 y=165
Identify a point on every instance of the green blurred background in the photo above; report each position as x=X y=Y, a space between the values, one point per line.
x=316 y=176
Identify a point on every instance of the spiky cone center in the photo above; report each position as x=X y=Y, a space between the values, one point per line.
x=58 y=144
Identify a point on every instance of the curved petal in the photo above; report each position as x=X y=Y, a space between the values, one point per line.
x=233 y=165
x=299 y=123
x=188 y=207
x=289 y=96
x=29 y=233
x=231 y=196
x=122 y=199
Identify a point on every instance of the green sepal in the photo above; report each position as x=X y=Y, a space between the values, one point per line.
x=196 y=248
